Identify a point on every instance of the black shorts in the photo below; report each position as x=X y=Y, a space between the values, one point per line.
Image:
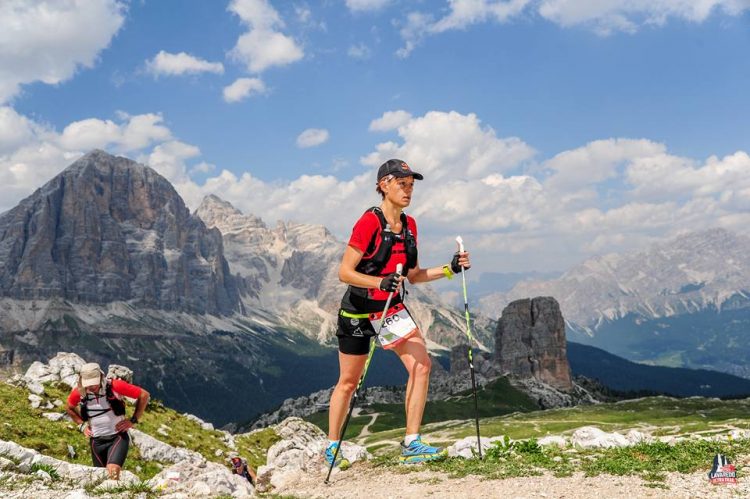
x=354 y=335
x=110 y=450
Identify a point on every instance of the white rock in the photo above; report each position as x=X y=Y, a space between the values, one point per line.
x=192 y=478
x=77 y=494
x=35 y=400
x=35 y=387
x=36 y=370
x=77 y=473
x=466 y=447
x=300 y=452
x=203 y=424
x=589 y=437
x=53 y=416
x=557 y=440
x=43 y=475
x=152 y=449
x=636 y=437
x=120 y=372
x=6 y=464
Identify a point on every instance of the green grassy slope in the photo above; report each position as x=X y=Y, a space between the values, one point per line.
x=27 y=427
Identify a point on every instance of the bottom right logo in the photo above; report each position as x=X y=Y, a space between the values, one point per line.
x=723 y=471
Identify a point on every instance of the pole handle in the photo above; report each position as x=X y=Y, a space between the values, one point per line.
x=460 y=244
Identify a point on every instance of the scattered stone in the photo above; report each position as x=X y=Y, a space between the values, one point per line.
x=6 y=464
x=200 y=479
x=77 y=473
x=35 y=400
x=53 y=416
x=116 y=371
x=557 y=440
x=203 y=424
x=591 y=437
x=155 y=450
x=300 y=452
x=467 y=447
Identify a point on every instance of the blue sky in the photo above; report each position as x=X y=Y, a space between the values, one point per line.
x=548 y=130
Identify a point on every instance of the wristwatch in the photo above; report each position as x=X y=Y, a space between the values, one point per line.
x=133 y=419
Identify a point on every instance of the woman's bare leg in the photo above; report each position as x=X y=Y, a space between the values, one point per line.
x=350 y=369
x=414 y=356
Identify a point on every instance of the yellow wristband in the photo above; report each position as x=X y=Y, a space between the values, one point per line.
x=447 y=271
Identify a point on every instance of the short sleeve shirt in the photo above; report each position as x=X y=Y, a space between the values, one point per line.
x=362 y=234
x=104 y=425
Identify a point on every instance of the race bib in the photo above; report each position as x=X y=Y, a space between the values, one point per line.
x=398 y=326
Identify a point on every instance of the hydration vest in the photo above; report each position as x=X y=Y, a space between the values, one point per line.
x=379 y=250
x=116 y=405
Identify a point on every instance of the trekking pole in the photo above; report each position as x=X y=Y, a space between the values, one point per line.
x=353 y=400
x=471 y=340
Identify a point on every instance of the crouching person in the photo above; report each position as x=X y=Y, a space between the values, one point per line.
x=240 y=467
x=96 y=406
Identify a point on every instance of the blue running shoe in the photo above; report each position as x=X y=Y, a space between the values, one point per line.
x=341 y=462
x=420 y=452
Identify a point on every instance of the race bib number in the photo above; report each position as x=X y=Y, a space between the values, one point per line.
x=398 y=326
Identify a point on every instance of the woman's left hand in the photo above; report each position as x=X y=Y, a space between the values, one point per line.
x=460 y=260
x=123 y=425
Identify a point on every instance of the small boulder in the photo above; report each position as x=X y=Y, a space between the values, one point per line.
x=590 y=437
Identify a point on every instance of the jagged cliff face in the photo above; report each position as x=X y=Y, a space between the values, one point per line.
x=530 y=342
x=107 y=229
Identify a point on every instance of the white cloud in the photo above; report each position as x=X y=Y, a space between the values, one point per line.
x=169 y=160
x=390 y=120
x=243 y=88
x=48 y=41
x=360 y=52
x=135 y=133
x=596 y=161
x=660 y=176
x=168 y=64
x=602 y=16
x=312 y=137
x=366 y=5
x=606 y=16
x=257 y=14
x=476 y=185
x=452 y=145
x=263 y=46
x=15 y=130
x=32 y=153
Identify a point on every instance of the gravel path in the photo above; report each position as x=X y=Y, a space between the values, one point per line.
x=377 y=483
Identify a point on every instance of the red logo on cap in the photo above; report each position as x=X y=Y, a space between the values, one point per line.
x=404 y=166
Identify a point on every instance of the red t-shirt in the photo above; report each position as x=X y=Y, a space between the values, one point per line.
x=119 y=387
x=362 y=233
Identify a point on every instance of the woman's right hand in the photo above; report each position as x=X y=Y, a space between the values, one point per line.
x=391 y=282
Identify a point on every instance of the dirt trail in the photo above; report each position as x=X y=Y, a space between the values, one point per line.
x=380 y=483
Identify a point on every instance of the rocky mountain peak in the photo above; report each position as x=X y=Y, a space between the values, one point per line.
x=530 y=342
x=108 y=229
x=221 y=214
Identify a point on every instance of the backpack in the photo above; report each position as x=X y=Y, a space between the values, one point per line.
x=379 y=250
x=116 y=405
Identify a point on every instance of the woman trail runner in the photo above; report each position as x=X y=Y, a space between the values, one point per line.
x=96 y=406
x=383 y=238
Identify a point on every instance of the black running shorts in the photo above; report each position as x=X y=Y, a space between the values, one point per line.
x=354 y=335
x=110 y=450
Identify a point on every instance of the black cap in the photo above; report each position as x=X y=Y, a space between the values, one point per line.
x=397 y=168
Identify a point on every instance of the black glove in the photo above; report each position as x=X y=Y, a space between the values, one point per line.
x=390 y=282
x=455 y=267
